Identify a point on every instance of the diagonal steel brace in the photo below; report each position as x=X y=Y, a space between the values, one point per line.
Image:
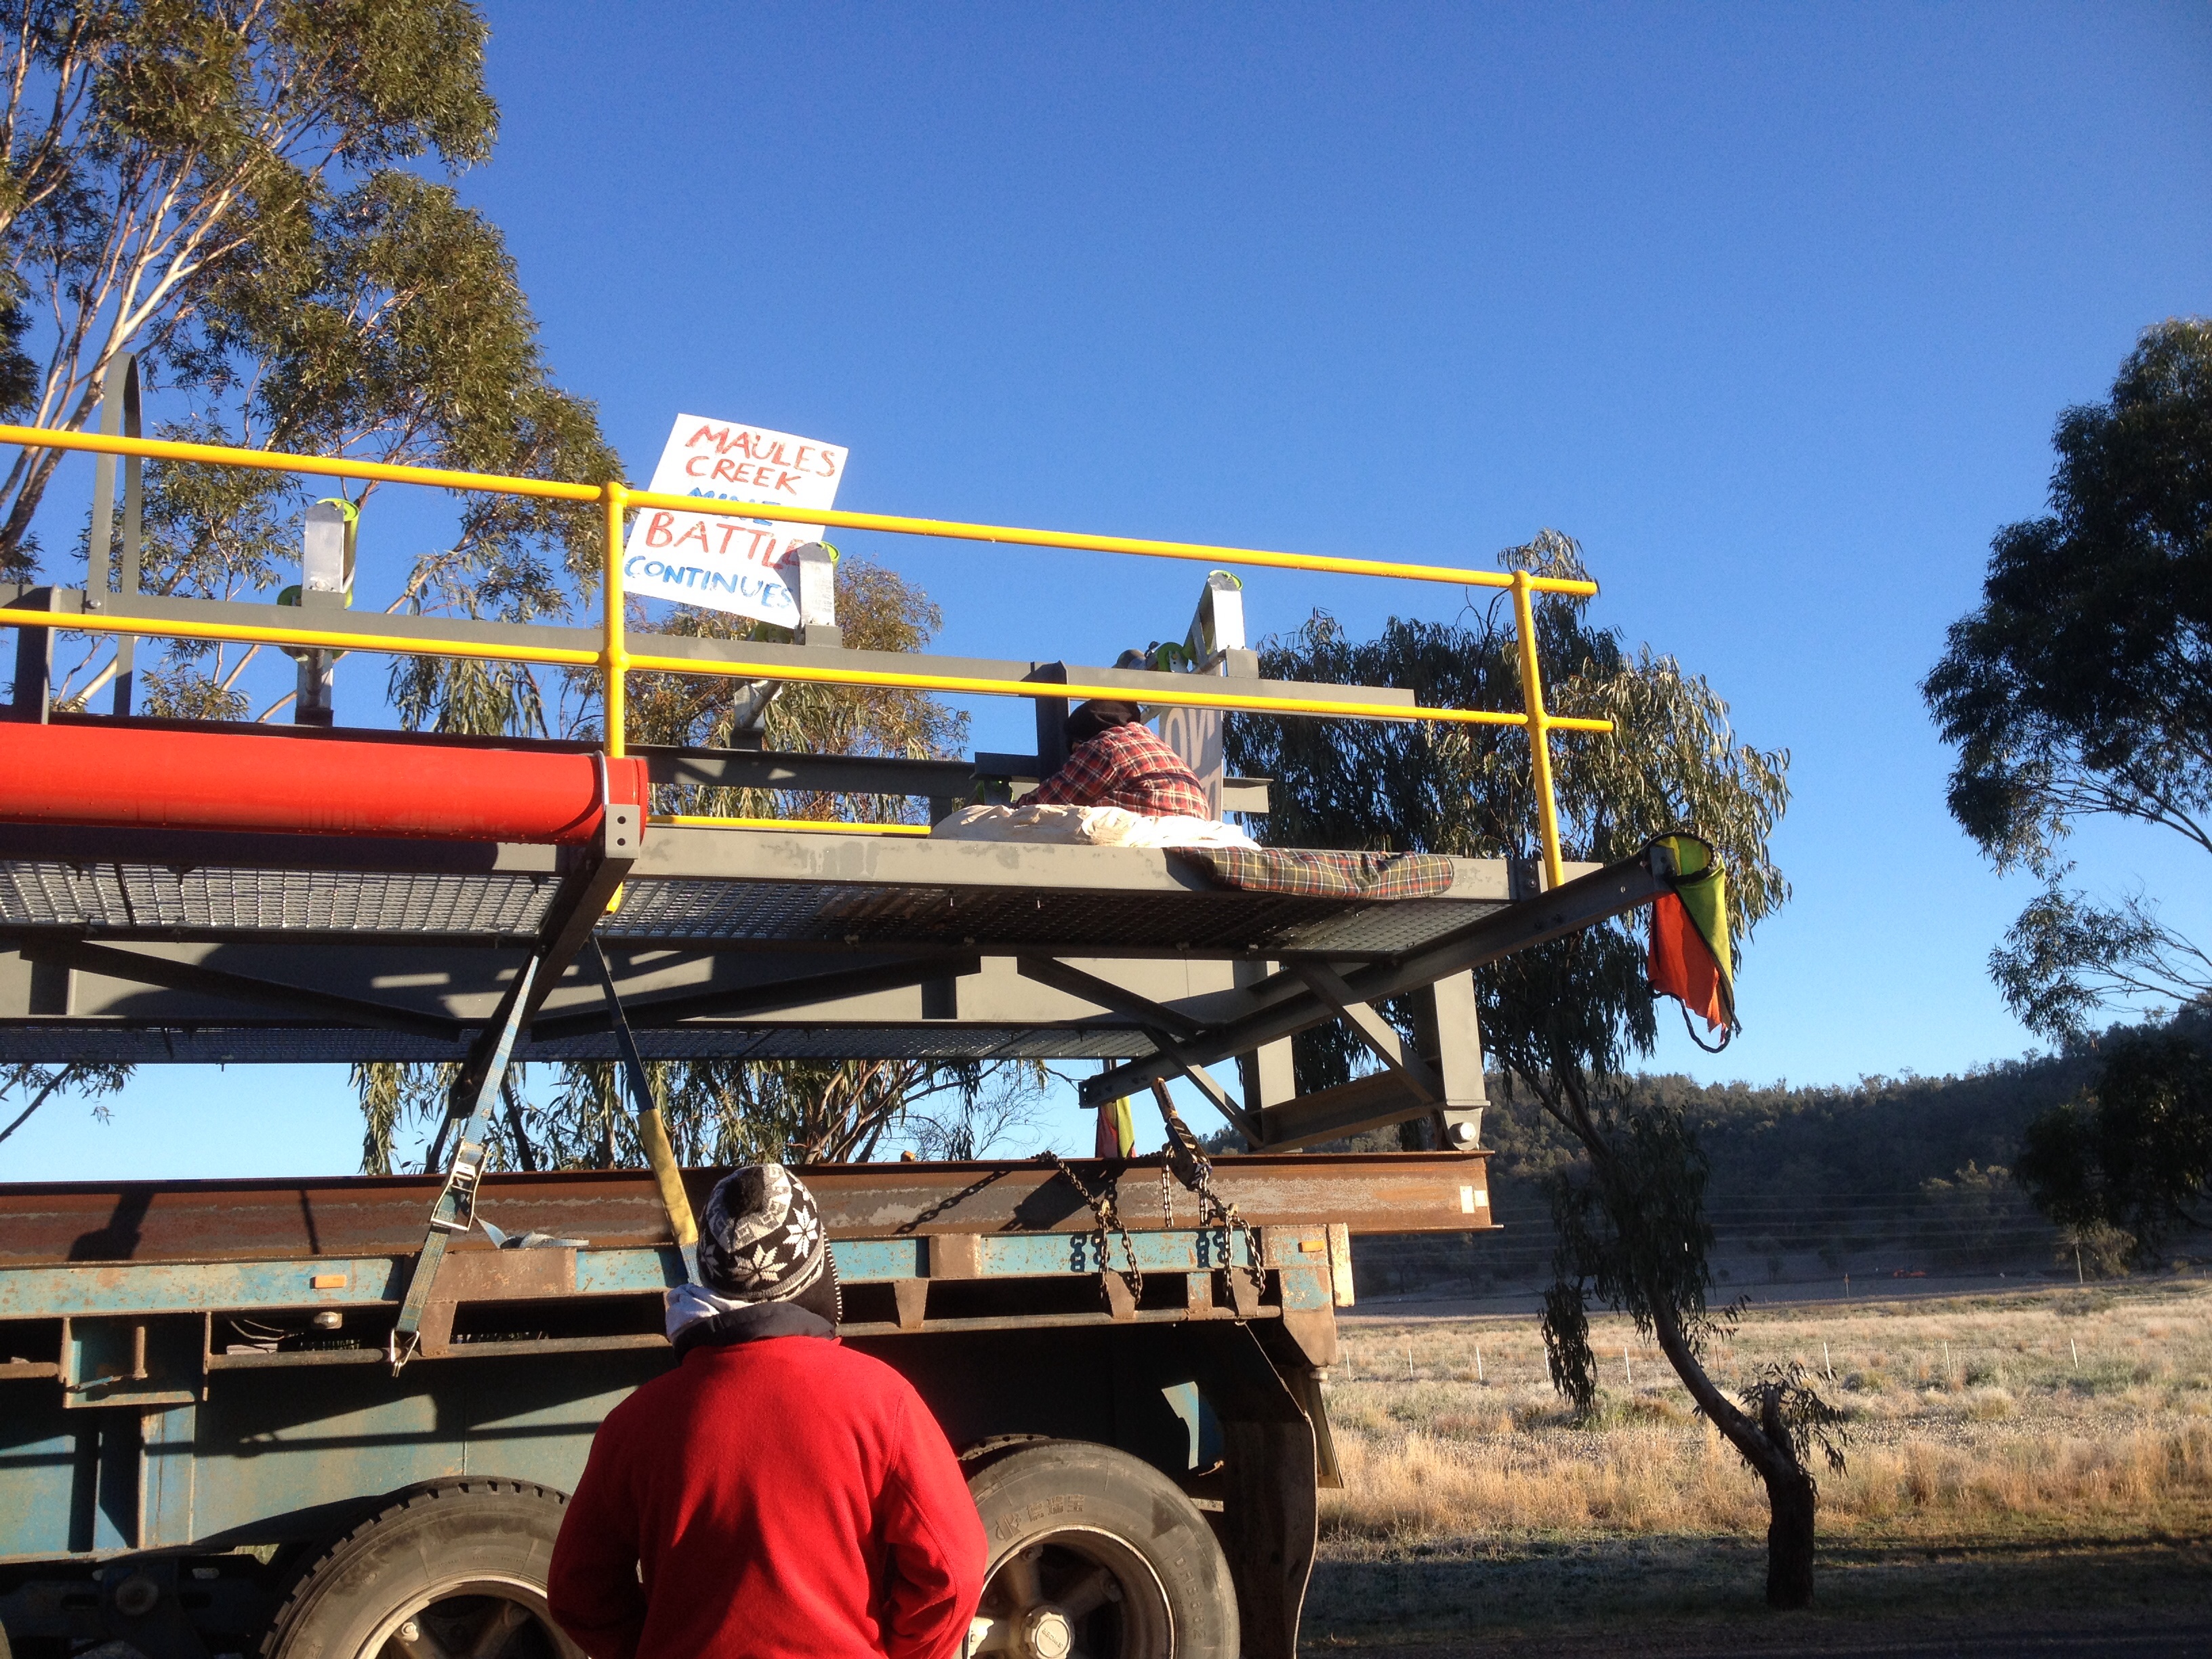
x=1581 y=902
x=455 y=1210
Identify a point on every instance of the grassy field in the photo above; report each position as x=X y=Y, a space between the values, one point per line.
x=2037 y=1455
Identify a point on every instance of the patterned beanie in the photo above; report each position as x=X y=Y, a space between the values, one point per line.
x=761 y=1238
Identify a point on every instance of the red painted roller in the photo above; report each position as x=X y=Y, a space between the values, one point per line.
x=319 y=785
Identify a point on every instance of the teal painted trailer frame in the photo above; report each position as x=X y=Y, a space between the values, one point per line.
x=185 y=1431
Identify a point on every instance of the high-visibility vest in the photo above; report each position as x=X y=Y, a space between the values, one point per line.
x=1690 y=957
x=1117 y=1134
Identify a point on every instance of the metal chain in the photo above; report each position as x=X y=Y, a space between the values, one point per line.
x=1195 y=1171
x=1106 y=1215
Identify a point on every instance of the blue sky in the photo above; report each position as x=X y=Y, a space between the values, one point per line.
x=1772 y=307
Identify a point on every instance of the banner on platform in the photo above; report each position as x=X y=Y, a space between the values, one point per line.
x=727 y=563
x=1195 y=735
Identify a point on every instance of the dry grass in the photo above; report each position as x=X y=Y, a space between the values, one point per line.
x=2041 y=1414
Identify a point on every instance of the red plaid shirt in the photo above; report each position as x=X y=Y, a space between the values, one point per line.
x=1125 y=766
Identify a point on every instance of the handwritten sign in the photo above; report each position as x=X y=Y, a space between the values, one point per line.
x=727 y=563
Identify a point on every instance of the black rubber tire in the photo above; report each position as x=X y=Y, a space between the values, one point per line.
x=1089 y=1505
x=455 y=1550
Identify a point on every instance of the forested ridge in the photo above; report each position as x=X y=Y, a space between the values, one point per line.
x=1890 y=1175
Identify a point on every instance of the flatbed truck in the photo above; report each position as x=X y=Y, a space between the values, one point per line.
x=339 y=1417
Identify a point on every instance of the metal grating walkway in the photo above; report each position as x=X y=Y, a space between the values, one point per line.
x=745 y=889
x=1213 y=923
x=124 y=898
x=146 y=945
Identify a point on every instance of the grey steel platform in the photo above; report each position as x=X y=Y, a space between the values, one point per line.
x=730 y=889
x=150 y=947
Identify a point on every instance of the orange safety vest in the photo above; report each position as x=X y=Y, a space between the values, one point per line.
x=1117 y=1135
x=1690 y=958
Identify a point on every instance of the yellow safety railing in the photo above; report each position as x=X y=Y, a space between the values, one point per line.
x=825 y=826
x=615 y=661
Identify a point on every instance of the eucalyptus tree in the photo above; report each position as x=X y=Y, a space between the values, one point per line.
x=35 y=1085
x=1561 y=1023
x=724 y=1112
x=2129 y=1162
x=226 y=188
x=223 y=188
x=2080 y=686
x=398 y=332
x=163 y=157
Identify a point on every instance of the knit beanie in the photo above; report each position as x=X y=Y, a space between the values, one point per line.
x=1087 y=720
x=761 y=1240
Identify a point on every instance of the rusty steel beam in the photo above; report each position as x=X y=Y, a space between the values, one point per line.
x=47 y=1223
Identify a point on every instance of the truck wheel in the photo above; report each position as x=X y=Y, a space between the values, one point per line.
x=453 y=1569
x=1095 y=1555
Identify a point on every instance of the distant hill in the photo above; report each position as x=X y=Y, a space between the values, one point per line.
x=1887 y=1176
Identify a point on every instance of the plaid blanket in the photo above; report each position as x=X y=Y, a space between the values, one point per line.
x=1322 y=875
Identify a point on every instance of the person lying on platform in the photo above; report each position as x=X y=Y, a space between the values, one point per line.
x=1115 y=759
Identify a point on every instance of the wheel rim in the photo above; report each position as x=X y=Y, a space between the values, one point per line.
x=475 y=1617
x=1075 y=1594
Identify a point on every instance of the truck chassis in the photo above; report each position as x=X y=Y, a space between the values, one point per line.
x=301 y=1419
x=199 y=1396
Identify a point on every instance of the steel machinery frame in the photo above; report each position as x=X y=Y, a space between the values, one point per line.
x=207 y=1366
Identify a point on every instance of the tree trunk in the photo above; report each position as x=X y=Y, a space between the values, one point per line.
x=1763 y=1442
x=1792 y=1500
x=1791 y=1496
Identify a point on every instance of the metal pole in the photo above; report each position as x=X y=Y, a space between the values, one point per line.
x=134 y=525
x=454 y=1210
x=118 y=417
x=1540 y=727
x=103 y=485
x=614 y=660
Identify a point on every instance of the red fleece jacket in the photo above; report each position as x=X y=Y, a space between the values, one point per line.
x=782 y=1495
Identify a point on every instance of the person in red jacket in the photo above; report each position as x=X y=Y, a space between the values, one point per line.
x=777 y=1493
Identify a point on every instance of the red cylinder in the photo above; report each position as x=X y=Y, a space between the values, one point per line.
x=309 y=785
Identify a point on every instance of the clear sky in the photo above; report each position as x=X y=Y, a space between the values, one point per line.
x=1772 y=307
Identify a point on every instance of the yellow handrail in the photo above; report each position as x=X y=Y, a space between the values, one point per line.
x=621 y=661
x=826 y=826
x=1540 y=727
x=268 y=460
x=614 y=655
x=615 y=660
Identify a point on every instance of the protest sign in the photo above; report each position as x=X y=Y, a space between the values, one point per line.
x=727 y=563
